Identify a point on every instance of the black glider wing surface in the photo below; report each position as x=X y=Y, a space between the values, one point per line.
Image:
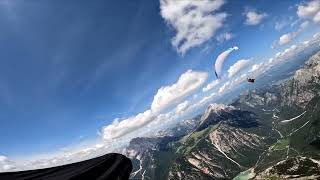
x=108 y=167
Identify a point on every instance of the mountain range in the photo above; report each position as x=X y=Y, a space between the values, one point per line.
x=272 y=132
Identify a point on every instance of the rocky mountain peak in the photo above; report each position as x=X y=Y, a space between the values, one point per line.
x=227 y=114
x=302 y=87
x=216 y=108
x=309 y=71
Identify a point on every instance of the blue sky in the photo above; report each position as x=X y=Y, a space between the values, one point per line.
x=68 y=69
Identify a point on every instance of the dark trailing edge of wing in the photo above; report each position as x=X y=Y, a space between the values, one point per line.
x=216 y=74
x=108 y=167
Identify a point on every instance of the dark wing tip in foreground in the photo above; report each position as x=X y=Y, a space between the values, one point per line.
x=108 y=167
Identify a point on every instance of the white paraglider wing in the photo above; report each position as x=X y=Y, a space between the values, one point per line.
x=220 y=60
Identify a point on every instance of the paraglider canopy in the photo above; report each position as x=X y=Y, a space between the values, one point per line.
x=220 y=60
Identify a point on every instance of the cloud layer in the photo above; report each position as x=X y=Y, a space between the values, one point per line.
x=211 y=85
x=257 y=69
x=166 y=96
x=194 y=22
x=288 y=37
x=237 y=67
x=6 y=164
x=169 y=95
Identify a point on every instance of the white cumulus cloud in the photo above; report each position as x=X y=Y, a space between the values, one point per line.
x=194 y=22
x=173 y=94
x=253 y=17
x=118 y=129
x=6 y=164
x=166 y=97
x=279 y=25
x=211 y=85
x=285 y=38
x=255 y=67
x=182 y=107
x=223 y=87
x=288 y=37
x=224 y=37
x=237 y=67
x=309 y=10
x=316 y=18
x=285 y=55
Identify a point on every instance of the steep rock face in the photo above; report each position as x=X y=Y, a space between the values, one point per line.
x=219 y=150
x=180 y=129
x=304 y=85
x=292 y=168
x=140 y=150
x=216 y=113
x=232 y=140
x=259 y=98
x=214 y=109
x=221 y=154
x=140 y=144
x=294 y=113
x=145 y=152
